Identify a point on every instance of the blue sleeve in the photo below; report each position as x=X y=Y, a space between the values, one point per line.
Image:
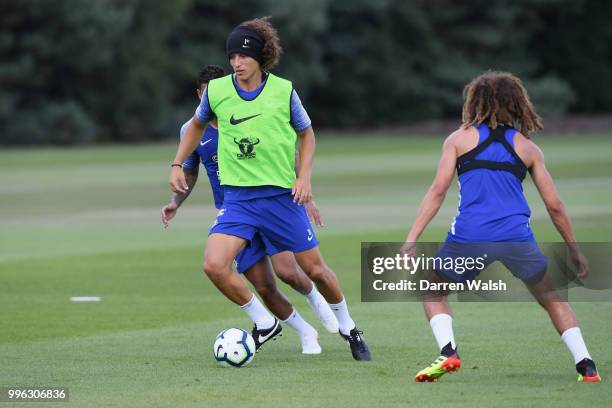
x=193 y=160
x=299 y=117
x=203 y=111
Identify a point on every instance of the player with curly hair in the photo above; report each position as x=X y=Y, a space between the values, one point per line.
x=260 y=119
x=492 y=153
x=252 y=262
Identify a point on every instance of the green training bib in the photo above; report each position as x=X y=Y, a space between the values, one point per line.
x=256 y=140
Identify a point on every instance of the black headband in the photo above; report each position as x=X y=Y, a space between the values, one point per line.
x=243 y=40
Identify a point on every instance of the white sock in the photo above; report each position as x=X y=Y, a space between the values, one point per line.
x=575 y=343
x=258 y=313
x=296 y=322
x=314 y=295
x=345 y=323
x=442 y=327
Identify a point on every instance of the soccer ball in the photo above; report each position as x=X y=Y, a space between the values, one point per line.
x=234 y=347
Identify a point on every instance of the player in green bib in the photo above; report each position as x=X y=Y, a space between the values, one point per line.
x=258 y=143
x=260 y=119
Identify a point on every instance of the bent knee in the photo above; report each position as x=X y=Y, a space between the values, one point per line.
x=288 y=274
x=215 y=267
x=319 y=272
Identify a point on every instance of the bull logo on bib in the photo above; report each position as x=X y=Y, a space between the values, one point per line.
x=246 y=148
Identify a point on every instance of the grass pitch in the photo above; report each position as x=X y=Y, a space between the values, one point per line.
x=85 y=222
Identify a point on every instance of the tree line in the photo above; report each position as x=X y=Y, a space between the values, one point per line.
x=77 y=71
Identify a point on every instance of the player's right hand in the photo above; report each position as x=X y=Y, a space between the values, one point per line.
x=580 y=262
x=178 y=184
x=409 y=250
x=168 y=212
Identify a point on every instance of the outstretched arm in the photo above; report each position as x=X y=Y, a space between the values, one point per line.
x=555 y=207
x=437 y=191
x=546 y=187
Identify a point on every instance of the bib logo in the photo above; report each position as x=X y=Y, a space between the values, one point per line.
x=246 y=148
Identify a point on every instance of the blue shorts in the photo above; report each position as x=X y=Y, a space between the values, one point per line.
x=258 y=248
x=523 y=259
x=284 y=224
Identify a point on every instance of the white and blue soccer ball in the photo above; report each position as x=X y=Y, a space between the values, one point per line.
x=234 y=347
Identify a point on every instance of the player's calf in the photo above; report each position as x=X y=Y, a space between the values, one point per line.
x=326 y=281
x=289 y=272
x=228 y=283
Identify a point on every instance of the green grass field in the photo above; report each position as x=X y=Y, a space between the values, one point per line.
x=85 y=222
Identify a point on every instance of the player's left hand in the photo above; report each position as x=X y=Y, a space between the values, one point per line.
x=313 y=213
x=301 y=190
x=168 y=212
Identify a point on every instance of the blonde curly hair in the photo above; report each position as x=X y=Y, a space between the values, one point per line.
x=496 y=97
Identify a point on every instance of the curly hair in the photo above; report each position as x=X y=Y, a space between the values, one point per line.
x=272 y=49
x=499 y=98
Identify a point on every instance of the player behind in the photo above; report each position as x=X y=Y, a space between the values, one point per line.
x=259 y=115
x=492 y=153
x=252 y=261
